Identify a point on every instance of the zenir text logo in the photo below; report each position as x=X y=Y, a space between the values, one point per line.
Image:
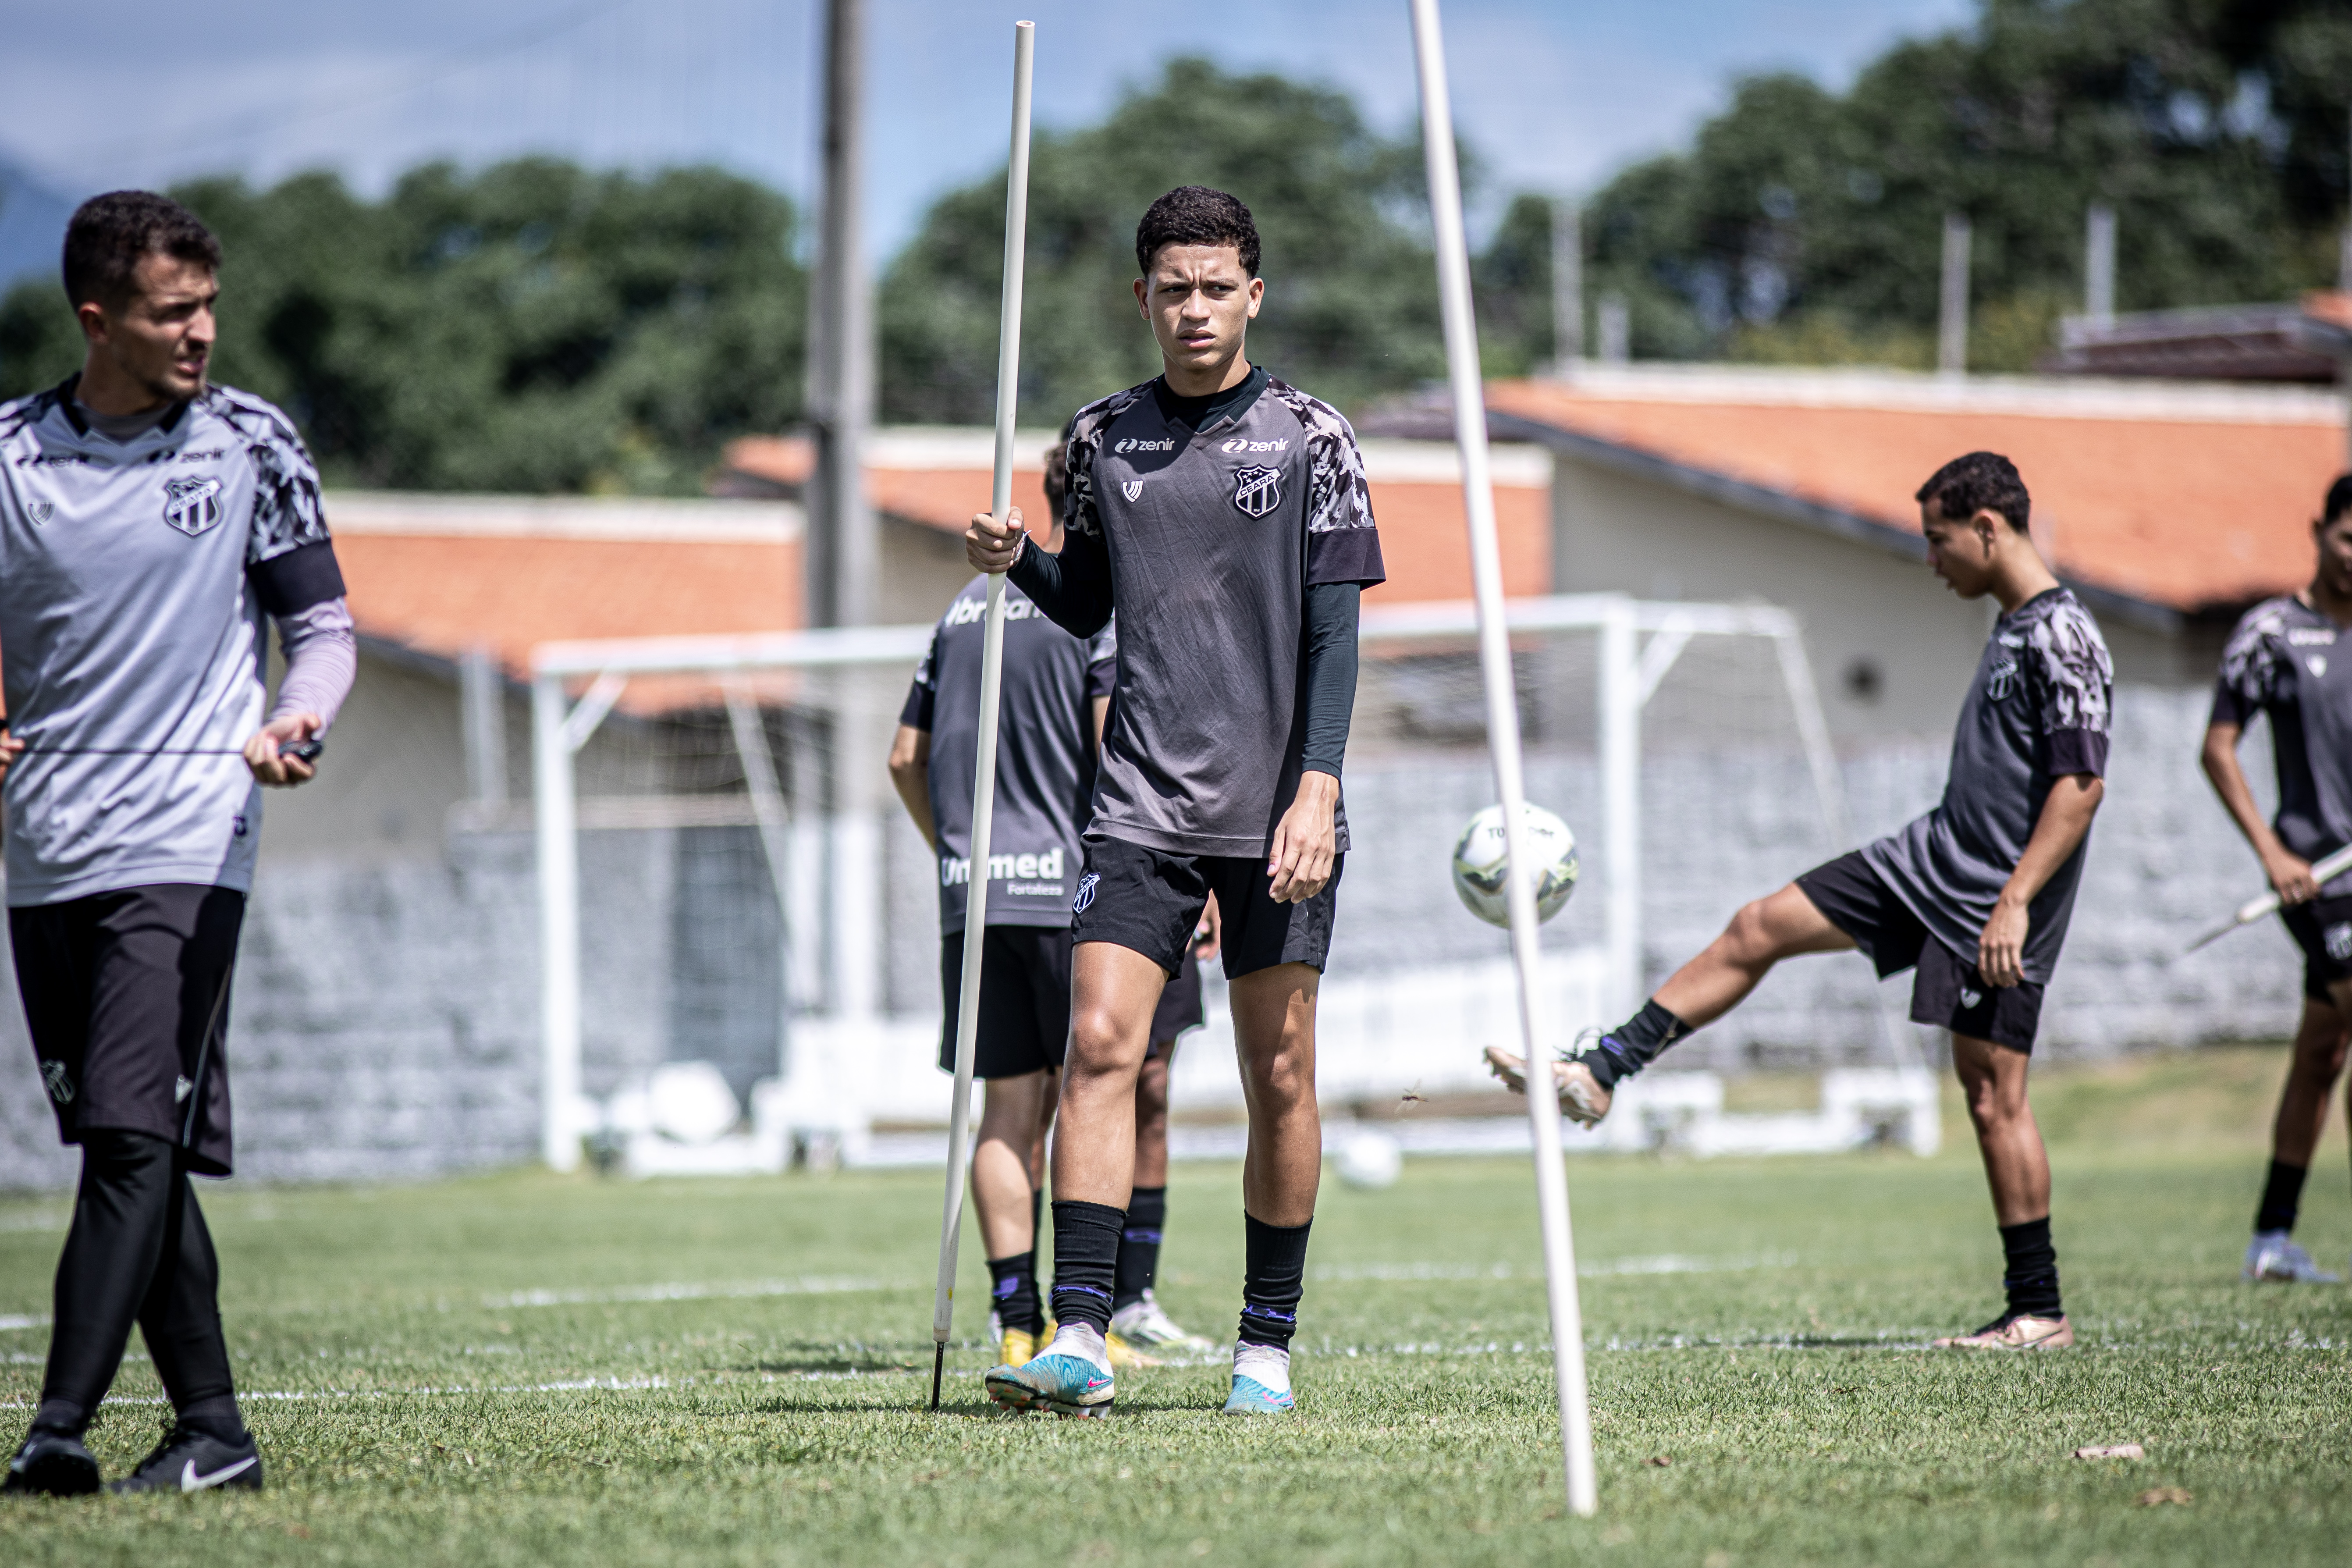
x=1243 y=444
x=192 y=506
x=1133 y=445
x=1257 y=490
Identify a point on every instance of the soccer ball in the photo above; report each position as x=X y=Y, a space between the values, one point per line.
x=1480 y=861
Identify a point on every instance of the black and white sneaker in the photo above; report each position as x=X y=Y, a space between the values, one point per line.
x=187 y=1460
x=53 y=1463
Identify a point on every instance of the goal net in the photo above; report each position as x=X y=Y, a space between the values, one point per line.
x=736 y=920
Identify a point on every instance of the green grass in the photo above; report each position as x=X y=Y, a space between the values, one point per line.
x=415 y=1355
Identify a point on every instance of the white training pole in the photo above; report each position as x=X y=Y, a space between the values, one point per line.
x=2322 y=871
x=1503 y=738
x=992 y=671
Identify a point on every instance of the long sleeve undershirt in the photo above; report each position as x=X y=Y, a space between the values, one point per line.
x=1074 y=590
x=322 y=658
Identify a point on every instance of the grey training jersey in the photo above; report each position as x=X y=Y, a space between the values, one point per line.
x=1214 y=536
x=134 y=579
x=2037 y=712
x=1045 y=754
x=2285 y=659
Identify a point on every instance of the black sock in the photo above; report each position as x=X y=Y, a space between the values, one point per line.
x=1138 y=1244
x=61 y=1415
x=2282 y=1196
x=217 y=1417
x=1085 y=1261
x=1037 y=1216
x=1274 y=1276
x=1634 y=1044
x=2031 y=1277
x=1012 y=1289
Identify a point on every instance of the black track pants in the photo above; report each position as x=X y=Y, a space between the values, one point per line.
x=138 y=1252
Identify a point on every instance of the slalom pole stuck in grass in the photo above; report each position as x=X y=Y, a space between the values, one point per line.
x=991 y=672
x=1503 y=740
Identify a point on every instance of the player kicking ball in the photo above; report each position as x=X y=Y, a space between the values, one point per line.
x=1974 y=896
x=2285 y=659
x=148 y=523
x=1224 y=517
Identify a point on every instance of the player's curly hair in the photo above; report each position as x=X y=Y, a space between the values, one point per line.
x=1980 y=481
x=2339 y=498
x=109 y=234
x=1195 y=215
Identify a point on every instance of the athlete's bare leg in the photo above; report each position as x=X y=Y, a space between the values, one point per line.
x=1001 y=1160
x=1760 y=935
x=1114 y=991
x=2320 y=1041
x=2017 y=1166
x=1274 y=1028
x=1152 y=1118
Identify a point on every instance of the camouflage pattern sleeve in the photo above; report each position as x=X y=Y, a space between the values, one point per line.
x=1343 y=544
x=1079 y=513
x=2073 y=681
x=2248 y=683
x=288 y=512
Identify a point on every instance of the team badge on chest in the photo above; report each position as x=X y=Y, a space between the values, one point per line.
x=1257 y=491
x=192 y=506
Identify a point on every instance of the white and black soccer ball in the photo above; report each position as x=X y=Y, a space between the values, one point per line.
x=1481 y=860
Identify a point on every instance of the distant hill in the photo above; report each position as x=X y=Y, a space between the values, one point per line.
x=31 y=224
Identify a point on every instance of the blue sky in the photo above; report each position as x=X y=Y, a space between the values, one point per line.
x=1556 y=94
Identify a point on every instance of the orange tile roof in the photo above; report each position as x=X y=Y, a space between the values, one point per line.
x=1422 y=534
x=2183 y=504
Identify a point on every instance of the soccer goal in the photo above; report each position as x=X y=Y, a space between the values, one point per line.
x=738 y=926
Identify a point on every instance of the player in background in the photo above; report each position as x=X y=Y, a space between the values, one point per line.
x=2285 y=659
x=148 y=524
x=1138 y=1324
x=1975 y=895
x=1224 y=517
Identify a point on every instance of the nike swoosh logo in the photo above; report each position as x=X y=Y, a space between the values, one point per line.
x=190 y=1481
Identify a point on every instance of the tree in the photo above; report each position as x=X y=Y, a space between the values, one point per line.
x=534 y=327
x=1352 y=299
x=1808 y=225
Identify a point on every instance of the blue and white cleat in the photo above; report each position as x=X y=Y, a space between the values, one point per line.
x=2274 y=1256
x=1071 y=1376
x=1261 y=1382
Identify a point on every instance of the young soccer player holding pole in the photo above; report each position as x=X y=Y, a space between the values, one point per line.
x=1469 y=397
x=1975 y=895
x=2286 y=660
x=1224 y=517
x=991 y=667
x=148 y=524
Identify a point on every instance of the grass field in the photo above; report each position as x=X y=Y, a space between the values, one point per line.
x=521 y=1369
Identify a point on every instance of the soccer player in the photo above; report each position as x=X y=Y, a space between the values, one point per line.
x=148 y=523
x=1055 y=692
x=1224 y=517
x=2283 y=660
x=1975 y=895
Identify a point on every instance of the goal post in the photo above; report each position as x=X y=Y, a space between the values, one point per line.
x=732 y=741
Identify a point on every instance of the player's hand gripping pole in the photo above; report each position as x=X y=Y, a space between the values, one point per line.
x=992 y=671
x=2322 y=873
x=1503 y=738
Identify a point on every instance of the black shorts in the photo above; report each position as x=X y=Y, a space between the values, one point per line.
x=126 y=995
x=1024 y=1000
x=1151 y=900
x=1948 y=993
x=2323 y=929
x=1180 y=1007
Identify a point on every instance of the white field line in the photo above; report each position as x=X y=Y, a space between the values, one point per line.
x=1590 y=1268
x=676 y=1291
x=24 y=1320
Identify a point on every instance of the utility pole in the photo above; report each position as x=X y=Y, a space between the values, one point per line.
x=2099 y=265
x=1567 y=285
x=1952 y=325
x=840 y=557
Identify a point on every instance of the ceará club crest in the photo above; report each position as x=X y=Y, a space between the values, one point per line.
x=191 y=505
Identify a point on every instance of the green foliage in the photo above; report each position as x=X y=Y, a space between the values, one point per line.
x=1352 y=299
x=532 y=327
x=1803 y=223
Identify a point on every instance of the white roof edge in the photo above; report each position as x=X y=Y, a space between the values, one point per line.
x=972 y=450
x=2057 y=397
x=620 y=518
